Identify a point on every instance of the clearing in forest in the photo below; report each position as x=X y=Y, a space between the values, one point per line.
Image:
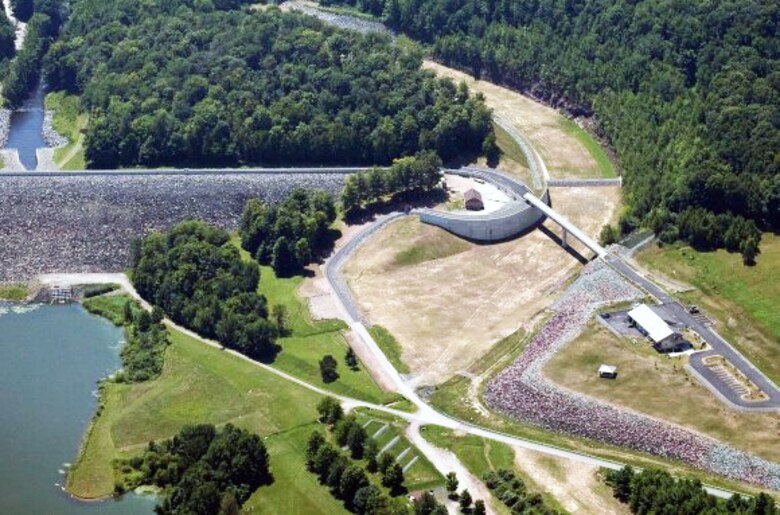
x=568 y=150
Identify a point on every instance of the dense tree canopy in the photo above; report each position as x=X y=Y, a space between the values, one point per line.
x=182 y=82
x=25 y=70
x=413 y=174
x=199 y=469
x=6 y=37
x=687 y=92
x=288 y=235
x=657 y=492
x=197 y=276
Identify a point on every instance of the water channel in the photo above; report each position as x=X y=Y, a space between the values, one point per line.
x=51 y=358
x=26 y=131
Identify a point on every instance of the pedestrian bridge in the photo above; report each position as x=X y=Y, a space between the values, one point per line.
x=566 y=225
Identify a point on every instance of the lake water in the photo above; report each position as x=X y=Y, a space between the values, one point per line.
x=26 y=132
x=51 y=358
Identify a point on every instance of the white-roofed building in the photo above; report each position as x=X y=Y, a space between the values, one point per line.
x=653 y=326
x=650 y=324
x=607 y=371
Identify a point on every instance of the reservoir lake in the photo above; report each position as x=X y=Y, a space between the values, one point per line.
x=51 y=359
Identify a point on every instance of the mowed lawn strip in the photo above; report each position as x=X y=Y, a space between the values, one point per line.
x=199 y=384
x=605 y=167
x=69 y=121
x=14 y=292
x=743 y=299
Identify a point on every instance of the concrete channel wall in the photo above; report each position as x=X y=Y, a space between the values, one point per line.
x=516 y=217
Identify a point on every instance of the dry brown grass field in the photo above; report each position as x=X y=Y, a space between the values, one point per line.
x=548 y=130
x=447 y=301
x=660 y=386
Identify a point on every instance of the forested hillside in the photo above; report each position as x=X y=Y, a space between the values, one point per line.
x=6 y=37
x=688 y=92
x=181 y=82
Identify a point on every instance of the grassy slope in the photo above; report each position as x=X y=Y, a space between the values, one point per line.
x=422 y=475
x=480 y=456
x=390 y=347
x=70 y=122
x=644 y=381
x=309 y=341
x=110 y=307
x=14 y=292
x=744 y=300
x=201 y=384
x=509 y=147
x=606 y=168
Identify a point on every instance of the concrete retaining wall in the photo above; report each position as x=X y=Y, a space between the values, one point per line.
x=515 y=218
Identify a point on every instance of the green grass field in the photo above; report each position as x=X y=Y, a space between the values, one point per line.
x=310 y=340
x=606 y=168
x=390 y=347
x=509 y=147
x=480 y=456
x=69 y=121
x=743 y=300
x=199 y=384
x=14 y=292
x=111 y=307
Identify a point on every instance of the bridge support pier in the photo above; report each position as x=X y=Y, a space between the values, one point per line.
x=564 y=238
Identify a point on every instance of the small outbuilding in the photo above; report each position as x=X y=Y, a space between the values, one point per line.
x=607 y=372
x=473 y=200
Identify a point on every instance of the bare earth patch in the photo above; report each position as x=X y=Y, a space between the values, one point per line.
x=447 y=312
x=542 y=125
x=575 y=485
x=448 y=301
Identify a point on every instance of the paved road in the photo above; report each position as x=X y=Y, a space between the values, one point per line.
x=426 y=415
x=719 y=346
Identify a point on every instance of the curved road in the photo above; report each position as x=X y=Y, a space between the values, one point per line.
x=426 y=415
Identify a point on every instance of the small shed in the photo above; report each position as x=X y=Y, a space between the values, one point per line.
x=473 y=200
x=607 y=372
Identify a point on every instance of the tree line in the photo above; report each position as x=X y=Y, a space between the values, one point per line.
x=7 y=39
x=166 y=83
x=196 y=275
x=513 y=493
x=688 y=94
x=351 y=477
x=44 y=18
x=201 y=470
x=420 y=173
x=288 y=235
x=654 y=491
